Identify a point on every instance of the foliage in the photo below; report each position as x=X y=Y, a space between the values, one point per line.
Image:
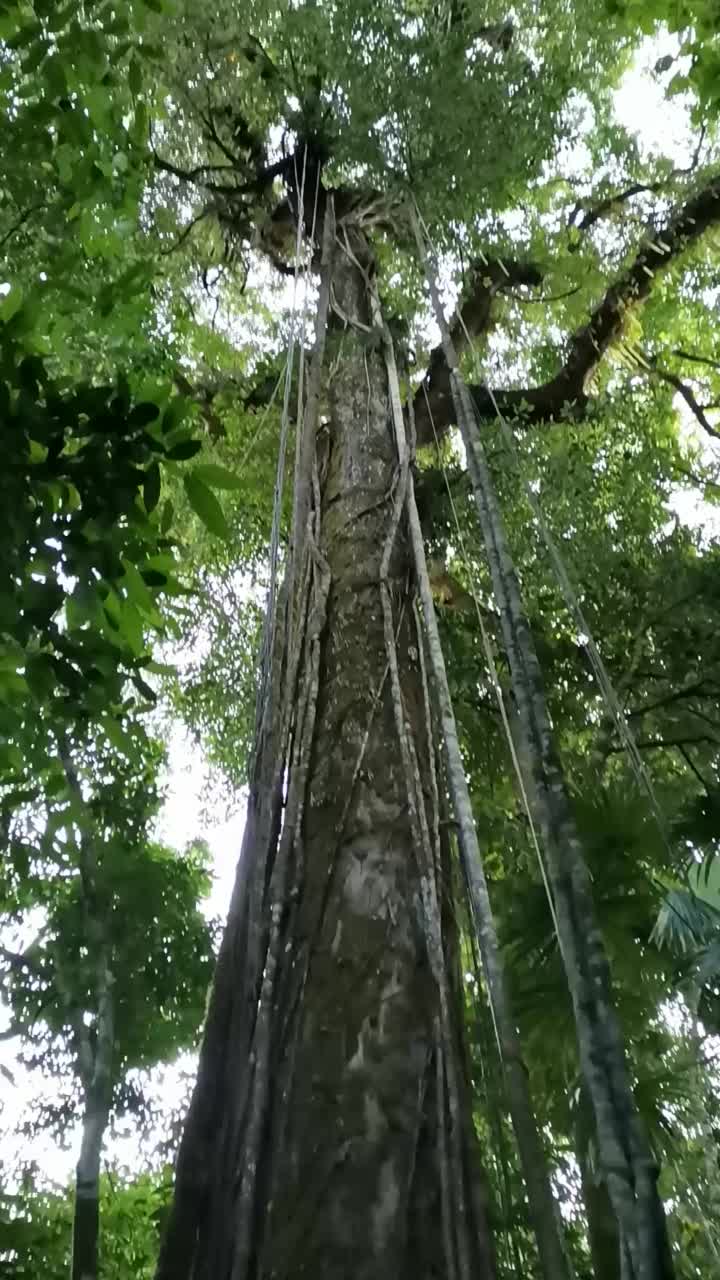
x=136 y=520
x=35 y=1225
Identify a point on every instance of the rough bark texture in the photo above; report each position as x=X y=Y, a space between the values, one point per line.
x=350 y=1073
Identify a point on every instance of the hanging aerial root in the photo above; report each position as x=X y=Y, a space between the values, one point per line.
x=289 y=840
x=445 y=1190
x=624 y=1153
x=306 y=589
x=432 y=763
x=542 y=1206
x=308 y=426
x=420 y=827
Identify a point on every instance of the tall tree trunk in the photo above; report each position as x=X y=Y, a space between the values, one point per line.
x=86 y=1216
x=330 y=1133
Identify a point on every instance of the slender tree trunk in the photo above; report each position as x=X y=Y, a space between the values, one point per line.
x=602 y=1227
x=86 y=1217
x=94 y=1054
x=330 y=1134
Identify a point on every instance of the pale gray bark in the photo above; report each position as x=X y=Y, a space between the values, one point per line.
x=93 y=1054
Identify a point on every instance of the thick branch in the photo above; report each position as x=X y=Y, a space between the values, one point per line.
x=260 y=180
x=695 y=358
x=565 y=395
x=487 y=280
x=611 y=202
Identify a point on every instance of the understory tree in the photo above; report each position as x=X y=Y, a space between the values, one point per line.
x=445 y=331
x=105 y=956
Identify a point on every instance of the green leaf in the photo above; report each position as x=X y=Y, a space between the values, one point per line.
x=41 y=677
x=131 y=628
x=136 y=587
x=143 y=414
x=206 y=506
x=218 y=477
x=11 y=760
x=185 y=450
x=37 y=452
x=54 y=76
x=135 y=79
x=11 y=304
x=174 y=414
x=144 y=688
x=140 y=124
x=166 y=517
x=161 y=669
x=118 y=737
x=151 y=487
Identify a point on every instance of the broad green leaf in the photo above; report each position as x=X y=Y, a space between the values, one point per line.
x=218 y=477
x=152 y=485
x=206 y=506
x=135 y=78
x=118 y=736
x=139 y=593
x=185 y=450
x=11 y=304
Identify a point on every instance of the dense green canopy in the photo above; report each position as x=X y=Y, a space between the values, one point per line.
x=155 y=162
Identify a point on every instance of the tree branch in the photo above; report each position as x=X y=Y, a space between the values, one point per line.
x=691 y=355
x=565 y=395
x=606 y=205
x=697 y=690
x=688 y=396
x=195 y=175
x=185 y=233
x=14 y=959
x=599 y=210
x=20 y=222
x=487 y=279
x=260 y=180
x=663 y=744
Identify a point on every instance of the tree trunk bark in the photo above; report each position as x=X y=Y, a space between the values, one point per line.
x=86 y=1216
x=336 y=1140
x=602 y=1227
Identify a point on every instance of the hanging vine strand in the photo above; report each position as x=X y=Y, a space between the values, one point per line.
x=542 y=1207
